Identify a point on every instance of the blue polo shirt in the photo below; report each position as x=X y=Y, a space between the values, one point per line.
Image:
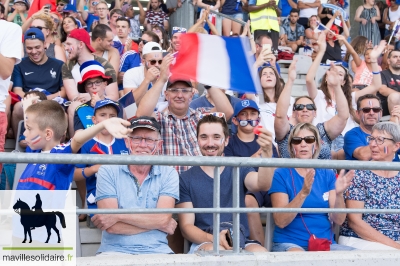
x=116 y=181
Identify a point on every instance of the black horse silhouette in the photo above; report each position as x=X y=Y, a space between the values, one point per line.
x=38 y=218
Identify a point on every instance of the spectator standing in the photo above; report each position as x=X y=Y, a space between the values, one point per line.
x=390 y=15
x=232 y=8
x=156 y=16
x=286 y=6
x=18 y=16
x=333 y=50
x=307 y=9
x=368 y=15
x=10 y=55
x=135 y=20
x=294 y=31
x=137 y=186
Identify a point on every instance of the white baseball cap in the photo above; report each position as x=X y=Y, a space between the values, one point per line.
x=151 y=47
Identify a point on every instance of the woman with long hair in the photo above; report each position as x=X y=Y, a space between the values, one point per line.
x=367 y=15
x=359 y=44
x=163 y=35
x=68 y=24
x=390 y=15
x=333 y=50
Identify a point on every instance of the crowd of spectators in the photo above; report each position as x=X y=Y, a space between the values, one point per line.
x=64 y=68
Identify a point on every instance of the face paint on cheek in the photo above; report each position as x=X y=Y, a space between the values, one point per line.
x=385 y=150
x=294 y=151
x=313 y=149
x=370 y=103
x=222 y=140
x=35 y=139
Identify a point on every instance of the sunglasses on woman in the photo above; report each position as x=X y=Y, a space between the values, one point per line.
x=366 y=110
x=244 y=123
x=300 y=107
x=298 y=140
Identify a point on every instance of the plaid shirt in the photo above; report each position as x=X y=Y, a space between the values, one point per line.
x=179 y=134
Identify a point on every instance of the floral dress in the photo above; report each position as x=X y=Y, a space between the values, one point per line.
x=376 y=192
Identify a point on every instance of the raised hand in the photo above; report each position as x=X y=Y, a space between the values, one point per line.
x=265 y=140
x=164 y=68
x=117 y=127
x=332 y=76
x=292 y=70
x=152 y=74
x=308 y=182
x=343 y=181
x=377 y=51
x=322 y=42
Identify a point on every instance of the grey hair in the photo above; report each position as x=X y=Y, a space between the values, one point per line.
x=389 y=128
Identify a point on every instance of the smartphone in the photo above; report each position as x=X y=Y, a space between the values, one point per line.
x=267 y=47
x=47 y=8
x=229 y=237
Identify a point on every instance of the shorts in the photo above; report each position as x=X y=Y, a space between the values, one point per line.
x=262 y=197
x=283 y=247
x=238 y=16
x=195 y=247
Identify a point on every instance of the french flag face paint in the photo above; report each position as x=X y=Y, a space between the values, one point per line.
x=385 y=150
x=36 y=139
x=313 y=149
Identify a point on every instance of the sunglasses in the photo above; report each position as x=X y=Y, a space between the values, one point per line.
x=38 y=27
x=144 y=41
x=366 y=110
x=56 y=20
x=216 y=114
x=298 y=140
x=244 y=123
x=300 y=107
x=153 y=62
x=61 y=4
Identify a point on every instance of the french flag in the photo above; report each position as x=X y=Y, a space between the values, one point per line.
x=320 y=27
x=128 y=104
x=223 y=62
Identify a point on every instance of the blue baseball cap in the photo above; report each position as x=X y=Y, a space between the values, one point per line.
x=69 y=7
x=105 y=102
x=34 y=33
x=244 y=104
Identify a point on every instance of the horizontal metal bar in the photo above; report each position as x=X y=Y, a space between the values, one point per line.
x=228 y=17
x=7 y=157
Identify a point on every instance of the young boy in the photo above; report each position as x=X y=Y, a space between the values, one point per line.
x=45 y=124
x=102 y=143
x=20 y=13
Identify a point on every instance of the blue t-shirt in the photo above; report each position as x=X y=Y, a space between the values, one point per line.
x=285 y=7
x=129 y=60
x=317 y=223
x=197 y=187
x=203 y=102
x=95 y=146
x=48 y=176
x=229 y=7
x=29 y=75
x=237 y=148
x=356 y=138
x=89 y=21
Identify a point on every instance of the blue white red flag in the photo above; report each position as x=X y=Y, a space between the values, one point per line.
x=128 y=104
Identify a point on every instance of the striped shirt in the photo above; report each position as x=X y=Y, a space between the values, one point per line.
x=179 y=134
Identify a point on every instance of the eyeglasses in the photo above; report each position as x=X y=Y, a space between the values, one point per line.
x=90 y=84
x=149 y=141
x=176 y=90
x=298 y=140
x=244 y=123
x=95 y=3
x=300 y=107
x=153 y=62
x=216 y=114
x=378 y=140
x=366 y=110
x=38 y=27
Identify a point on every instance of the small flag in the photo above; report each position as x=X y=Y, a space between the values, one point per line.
x=128 y=104
x=320 y=27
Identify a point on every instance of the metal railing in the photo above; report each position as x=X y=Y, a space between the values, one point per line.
x=208 y=161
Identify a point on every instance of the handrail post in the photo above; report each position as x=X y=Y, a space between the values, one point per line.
x=218 y=23
x=216 y=216
x=235 y=215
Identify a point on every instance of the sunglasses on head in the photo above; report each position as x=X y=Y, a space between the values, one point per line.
x=244 y=123
x=298 y=140
x=300 y=107
x=216 y=114
x=153 y=62
x=366 y=110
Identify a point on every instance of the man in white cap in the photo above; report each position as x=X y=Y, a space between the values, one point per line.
x=140 y=79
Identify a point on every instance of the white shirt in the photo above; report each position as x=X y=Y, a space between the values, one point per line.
x=308 y=12
x=10 y=47
x=325 y=113
x=135 y=76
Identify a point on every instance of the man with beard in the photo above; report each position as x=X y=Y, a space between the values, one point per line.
x=176 y=36
x=36 y=71
x=196 y=188
x=79 y=51
x=369 y=111
x=294 y=31
x=140 y=79
x=389 y=92
x=102 y=39
x=156 y=16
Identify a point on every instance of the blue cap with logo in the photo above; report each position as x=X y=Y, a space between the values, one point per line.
x=34 y=33
x=105 y=102
x=244 y=104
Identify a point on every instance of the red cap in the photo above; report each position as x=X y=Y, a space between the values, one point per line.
x=83 y=36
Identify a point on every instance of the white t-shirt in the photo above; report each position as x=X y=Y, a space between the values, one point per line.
x=135 y=76
x=324 y=112
x=267 y=114
x=308 y=12
x=10 y=47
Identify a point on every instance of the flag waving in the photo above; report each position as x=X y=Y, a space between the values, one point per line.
x=222 y=62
